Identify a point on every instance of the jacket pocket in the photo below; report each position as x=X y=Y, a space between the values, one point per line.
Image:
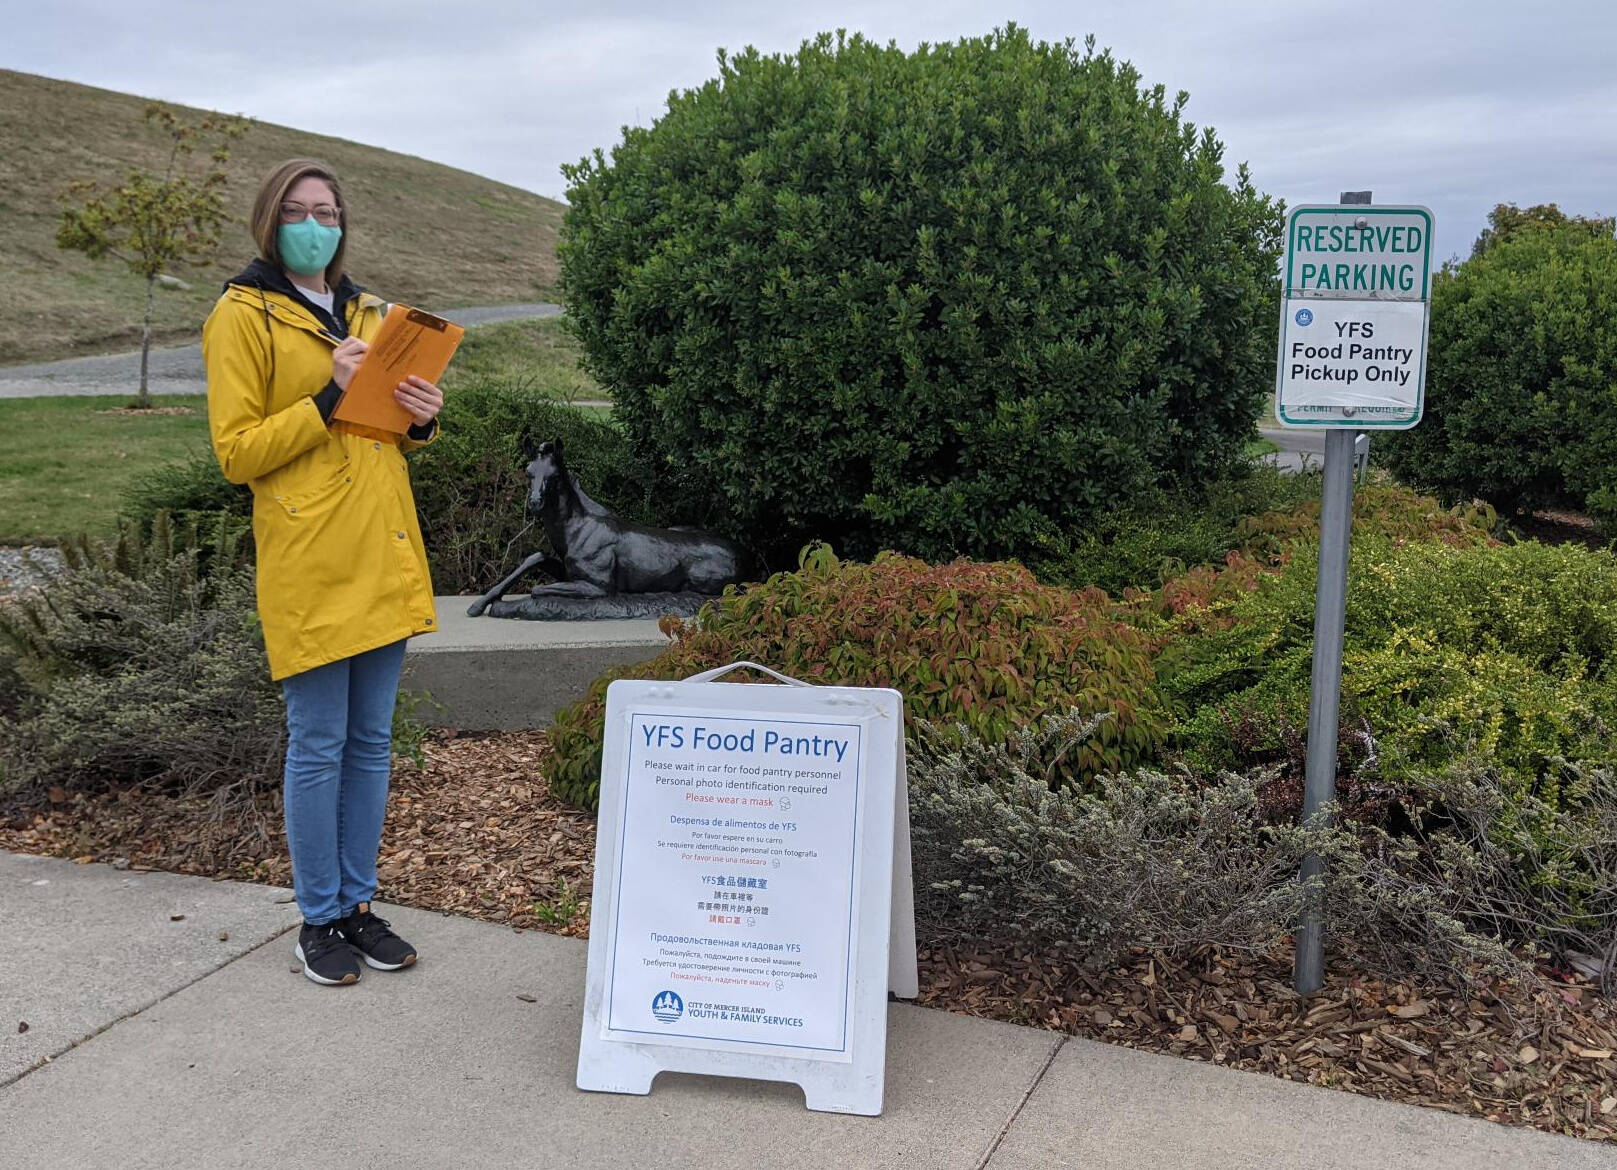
x=306 y=487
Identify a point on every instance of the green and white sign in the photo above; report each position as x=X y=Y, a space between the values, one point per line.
x=1355 y=317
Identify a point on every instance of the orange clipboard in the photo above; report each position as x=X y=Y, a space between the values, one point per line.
x=409 y=342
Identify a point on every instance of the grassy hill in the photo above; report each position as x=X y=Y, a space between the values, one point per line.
x=420 y=232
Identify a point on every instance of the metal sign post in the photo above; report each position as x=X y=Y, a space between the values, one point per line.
x=1353 y=330
x=1325 y=697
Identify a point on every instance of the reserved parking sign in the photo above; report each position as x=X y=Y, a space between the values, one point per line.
x=1355 y=317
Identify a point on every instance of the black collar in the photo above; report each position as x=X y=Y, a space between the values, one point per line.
x=261 y=274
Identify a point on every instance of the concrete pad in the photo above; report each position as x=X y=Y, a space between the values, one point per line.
x=458 y=633
x=489 y=674
x=86 y=945
x=1102 y=1106
x=442 y=1065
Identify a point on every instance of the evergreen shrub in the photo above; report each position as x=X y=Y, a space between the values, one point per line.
x=950 y=301
x=1156 y=537
x=1387 y=511
x=471 y=492
x=1261 y=543
x=1504 y=653
x=980 y=644
x=1520 y=402
x=1172 y=864
x=186 y=487
x=144 y=663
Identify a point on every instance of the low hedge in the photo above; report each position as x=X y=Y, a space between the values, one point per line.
x=980 y=644
x=143 y=664
x=1158 y=535
x=1172 y=863
x=188 y=487
x=470 y=490
x=1497 y=652
x=1159 y=539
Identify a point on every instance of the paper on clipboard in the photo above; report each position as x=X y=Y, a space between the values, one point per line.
x=410 y=341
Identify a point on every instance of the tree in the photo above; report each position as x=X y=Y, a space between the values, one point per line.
x=150 y=221
x=1507 y=221
x=952 y=301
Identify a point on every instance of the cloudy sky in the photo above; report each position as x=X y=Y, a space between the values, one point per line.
x=1457 y=105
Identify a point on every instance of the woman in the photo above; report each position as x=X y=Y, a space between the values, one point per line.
x=342 y=574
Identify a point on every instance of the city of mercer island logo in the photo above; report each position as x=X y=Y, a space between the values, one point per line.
x=667 y=1007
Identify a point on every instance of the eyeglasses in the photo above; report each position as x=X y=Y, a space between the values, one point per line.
x=323 y=213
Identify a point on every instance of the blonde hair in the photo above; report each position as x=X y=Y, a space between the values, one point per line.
x=266 y=217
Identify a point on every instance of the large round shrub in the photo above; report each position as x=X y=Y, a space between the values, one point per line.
x=949 y=301
x=1521 y=400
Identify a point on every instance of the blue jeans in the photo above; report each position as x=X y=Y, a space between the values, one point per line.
x=339 y=722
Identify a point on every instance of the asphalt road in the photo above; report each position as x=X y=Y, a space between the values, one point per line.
x=178 y=369
x=1298 y=449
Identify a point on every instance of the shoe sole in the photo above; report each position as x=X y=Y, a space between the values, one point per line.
x=312 y=976
x=381 y=966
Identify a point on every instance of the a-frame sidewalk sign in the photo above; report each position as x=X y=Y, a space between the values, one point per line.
x=753 y=901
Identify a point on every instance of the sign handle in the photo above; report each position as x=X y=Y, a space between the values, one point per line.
x=719 y=671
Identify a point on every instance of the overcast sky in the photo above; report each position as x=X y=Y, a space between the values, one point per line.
x=1457 y=105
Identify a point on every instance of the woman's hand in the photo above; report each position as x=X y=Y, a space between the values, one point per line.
x=421 y=398
x=345 y=360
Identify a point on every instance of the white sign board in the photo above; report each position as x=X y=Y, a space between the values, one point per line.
x=752 y=900
x=1355 y=317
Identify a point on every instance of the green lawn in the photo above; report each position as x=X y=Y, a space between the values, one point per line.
x=65 y=462
x=538 y=352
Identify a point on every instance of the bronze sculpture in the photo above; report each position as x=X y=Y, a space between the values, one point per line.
x=607 y=567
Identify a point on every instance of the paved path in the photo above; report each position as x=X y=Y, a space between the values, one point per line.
x=172 y=1047
x=1298 y=449
x=178 y=369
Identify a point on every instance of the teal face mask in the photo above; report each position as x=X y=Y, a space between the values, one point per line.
x=307 y=247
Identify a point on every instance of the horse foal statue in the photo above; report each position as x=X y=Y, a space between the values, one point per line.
x=608 y=567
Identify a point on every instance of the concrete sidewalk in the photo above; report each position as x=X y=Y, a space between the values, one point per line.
x=170 y=1053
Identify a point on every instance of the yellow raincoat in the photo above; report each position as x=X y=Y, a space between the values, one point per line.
x=341 y=565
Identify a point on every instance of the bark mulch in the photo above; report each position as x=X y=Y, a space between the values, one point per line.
x=476 y=832
x=1544 y=1057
